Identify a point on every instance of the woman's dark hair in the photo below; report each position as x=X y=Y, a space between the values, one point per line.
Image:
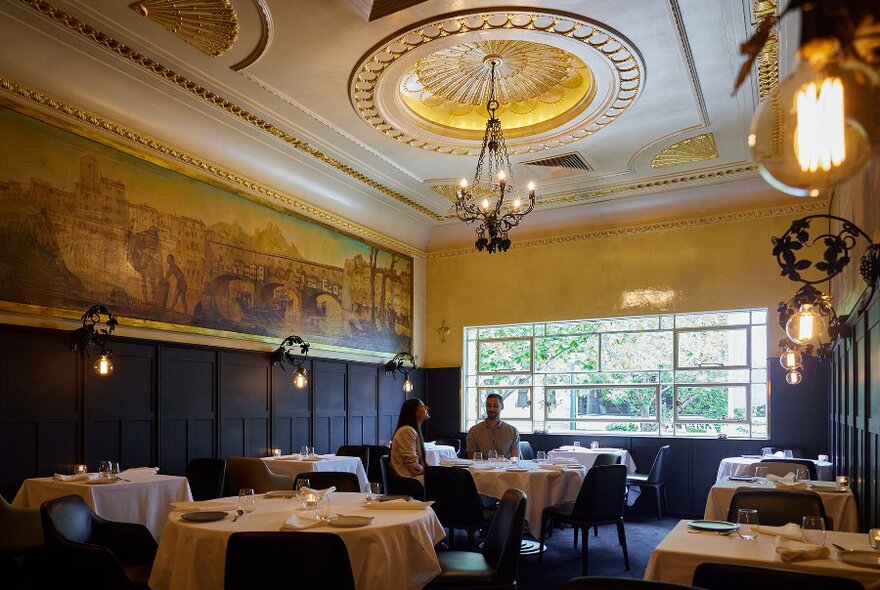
x=408 y=418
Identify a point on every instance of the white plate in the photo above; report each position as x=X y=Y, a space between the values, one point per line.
x=861 y=558
x=518 y=469
x=350 y=521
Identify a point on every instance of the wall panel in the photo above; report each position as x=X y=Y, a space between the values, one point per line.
x=329 y=405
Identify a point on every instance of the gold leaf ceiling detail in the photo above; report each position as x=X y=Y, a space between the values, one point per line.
x=208 y=25
x=693 y=149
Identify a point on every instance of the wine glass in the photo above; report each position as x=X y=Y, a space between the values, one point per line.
x=801 y=474
x=493 y=456
x=301 y=483
x=325 y=510
x=303 y=452
x=761 y=474
x=813 y=528
x=747 y=518
x=104 y=469
x=246 y=500
x=541 y=456
x=478 y=457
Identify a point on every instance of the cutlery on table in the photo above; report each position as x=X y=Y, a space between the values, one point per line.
x=841 y=549
x=238 y=513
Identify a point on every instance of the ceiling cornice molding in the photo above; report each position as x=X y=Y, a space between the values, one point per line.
x=95 y=127
x=120 y=49
x=739 y=216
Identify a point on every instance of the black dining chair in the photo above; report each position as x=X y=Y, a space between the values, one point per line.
x=22 y=549
x=526 y=452
x=600 y=501
x=495 y=566
x=727 y=576
x=395 y=484
x=778 y=507
x=250 y=472
x=655 y=479
x=603 y=459
x=83 y=546
x=453 y=442
x=362 y=452
x=206 y=477
x=307 y=561
x=374 y=469
x=811 y=467
x=456 y=501
x=321 y=480
x=603 y=583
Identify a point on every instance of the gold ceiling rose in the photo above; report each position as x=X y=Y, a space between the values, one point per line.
x=209 y=25
x=693 y=149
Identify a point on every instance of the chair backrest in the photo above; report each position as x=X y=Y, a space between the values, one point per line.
x=727 y=576
x=287 y=560
x=526 y=452
x=602 y=494
x=502 y=545
x=321 y=480
x=456 y=501
x=20 y=528
x=608 y=459
x=794 y=464
x=395 y=484
x=659 y=468
x=362 y=452
x=67 y=519
x=601 y=583
x=249 y=472
x=453 y=442
x=777 y=507
x=374 y=469
x=206 y=477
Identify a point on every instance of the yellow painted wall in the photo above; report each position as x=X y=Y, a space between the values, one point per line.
x=707 y=267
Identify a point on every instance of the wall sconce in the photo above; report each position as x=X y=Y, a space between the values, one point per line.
x=443 y=332
x=403 y=363
x=809 y=319
x=94 y=334
x=286 y=356
x=818 y=127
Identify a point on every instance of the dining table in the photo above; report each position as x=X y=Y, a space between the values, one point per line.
x=434 y=453
x=586 y=456
x=395 y=551
x=140 y=497
x=740 y=466
x=293 y=465
x=840 y=504
x=680 y=552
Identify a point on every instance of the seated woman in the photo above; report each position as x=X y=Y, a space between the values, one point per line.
x=408 y=444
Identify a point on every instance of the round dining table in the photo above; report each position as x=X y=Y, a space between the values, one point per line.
x=293 y=465
x=739 y=467
x=395 y=551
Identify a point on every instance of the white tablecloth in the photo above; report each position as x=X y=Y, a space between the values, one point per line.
x=586 y=456
x=146 y=499
x=840 y=506
x=433 y=453
x=292 y=466
x=739 y=466
x=677 y=556
x=542 y=487
x=394 y=552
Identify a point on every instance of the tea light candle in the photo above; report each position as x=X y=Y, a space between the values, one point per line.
x=874 y=538
x=80 y=469
x=842 y=481
x=311 y=500
x=276 y=452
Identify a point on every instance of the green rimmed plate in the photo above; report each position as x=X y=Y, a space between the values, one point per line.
x=718 y=526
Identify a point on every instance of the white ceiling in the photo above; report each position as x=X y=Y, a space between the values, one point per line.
x=304 y=55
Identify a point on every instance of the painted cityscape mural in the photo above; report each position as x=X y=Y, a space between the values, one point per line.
x=82 y=223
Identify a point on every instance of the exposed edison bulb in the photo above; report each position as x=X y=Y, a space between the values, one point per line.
x=300 y=380
x=808 y=326
x=790 y=359
x=815 y=129
x=104 y=366
x=793 y=377
x=407 y=385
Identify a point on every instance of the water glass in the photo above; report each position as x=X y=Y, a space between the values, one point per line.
x=478 y=457
x=842 y=482
x=493 y=455
x=761 y=474
x=801 y=474
x=788 y=454
x=325 y=510
x=303 y=452
x=375 y=491
x=246 y=500
x=577 y=443
x=747 y=518
x=594 y=444
x=105 y=469
x=813 y=528
x=541 y=456
x=874 y=538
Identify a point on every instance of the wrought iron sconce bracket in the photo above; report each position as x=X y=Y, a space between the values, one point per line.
x=286 y=356
x=403 y=363
x=92 y=334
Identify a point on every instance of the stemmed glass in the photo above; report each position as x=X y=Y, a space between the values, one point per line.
x=801 y=474
x=747 y=518
x=105 y=469
x=493 y=456
x=541 y=456
x=761 y=474
x=813 y=528
x=303 y=452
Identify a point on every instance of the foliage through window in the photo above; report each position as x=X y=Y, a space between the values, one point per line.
x=702 y=374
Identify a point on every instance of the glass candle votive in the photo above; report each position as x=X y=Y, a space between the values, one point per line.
x=78 y=469
x=275 y=452
x=842 y=481
x=594 y=444
x=874 y=538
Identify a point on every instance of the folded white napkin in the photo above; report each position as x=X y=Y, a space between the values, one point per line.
x=455 y=461
x=206 y=506
x=786 y=481
x=140 y=471
x=77 y=477
x=790 y=550
x=299 y=522
x=399 y=504
x=790 y=531
x=320 y=493
x=780 y=454
x=552 y=467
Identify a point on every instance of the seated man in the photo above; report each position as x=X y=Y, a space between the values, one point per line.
x=492 y=434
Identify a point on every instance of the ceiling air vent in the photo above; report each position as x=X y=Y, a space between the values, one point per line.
x=573 y=161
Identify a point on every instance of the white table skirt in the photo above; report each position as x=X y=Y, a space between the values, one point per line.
x=677 y=556
x=586 y=456
x=394 y=552
x=739 y=466
x=542 y=487
x=433 y=453
x=146 y=499
x=840 y=506
x=292 y=466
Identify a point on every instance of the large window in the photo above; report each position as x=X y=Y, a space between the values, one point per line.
x=700 y=374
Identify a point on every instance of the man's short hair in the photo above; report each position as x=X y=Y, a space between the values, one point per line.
x=496 y=396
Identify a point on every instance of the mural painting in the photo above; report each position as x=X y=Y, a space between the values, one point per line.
x=82 y=223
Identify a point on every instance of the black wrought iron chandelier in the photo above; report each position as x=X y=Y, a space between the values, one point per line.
x=484 y=201
x=94 y=334
x=286 y=355
x=403 y=363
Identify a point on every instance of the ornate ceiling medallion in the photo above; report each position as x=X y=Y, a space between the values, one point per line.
x=562 y=79
x=208 y=25
x=693 y=149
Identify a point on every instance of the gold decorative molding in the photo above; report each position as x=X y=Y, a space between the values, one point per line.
x=793 y=209
x=203 y=93
x=768 y=58
x=610 y=45
x=693 y=149
x=211 y=26
x=96 y=127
